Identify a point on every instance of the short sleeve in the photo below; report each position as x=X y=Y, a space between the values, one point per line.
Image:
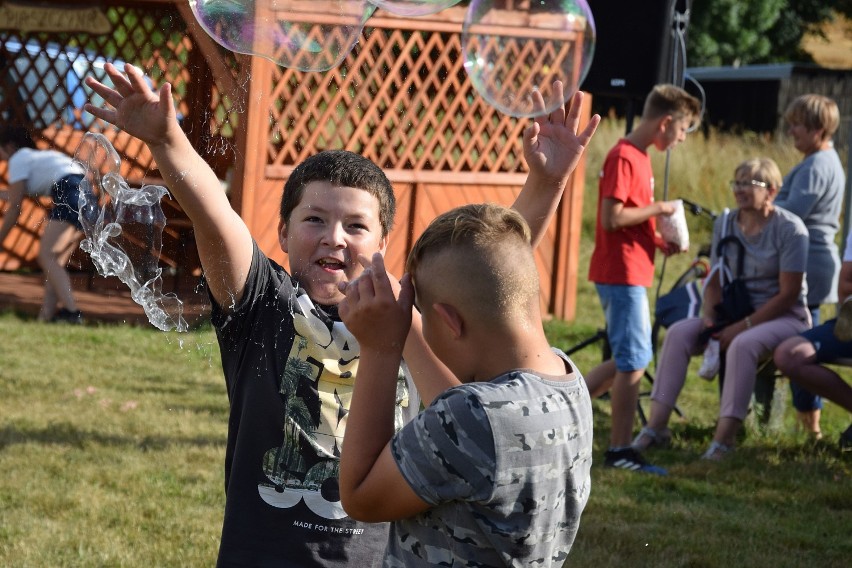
x=447 y=452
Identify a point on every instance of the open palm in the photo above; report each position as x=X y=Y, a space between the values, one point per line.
x=136 y=108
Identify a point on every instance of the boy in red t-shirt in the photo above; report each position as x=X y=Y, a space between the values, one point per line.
x=622 y=265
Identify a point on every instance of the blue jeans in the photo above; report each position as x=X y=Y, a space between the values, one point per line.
x=628 y=325
x=803 y=400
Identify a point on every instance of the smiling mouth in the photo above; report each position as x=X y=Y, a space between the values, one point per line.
x=331 y=264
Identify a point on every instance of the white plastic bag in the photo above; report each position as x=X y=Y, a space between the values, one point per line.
x=673 y=227
x=710 y=365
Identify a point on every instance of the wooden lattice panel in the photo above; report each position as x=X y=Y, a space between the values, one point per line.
x=402 y=98
x=41 y=87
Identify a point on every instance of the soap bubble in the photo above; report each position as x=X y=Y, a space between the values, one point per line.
x=510 y=54
x=414 y=7
x=124 y=230
x=289 y=32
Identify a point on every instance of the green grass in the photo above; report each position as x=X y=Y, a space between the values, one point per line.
x=111 y=446
x=112 y=439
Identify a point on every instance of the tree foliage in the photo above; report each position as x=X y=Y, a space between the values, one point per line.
x=734 y=32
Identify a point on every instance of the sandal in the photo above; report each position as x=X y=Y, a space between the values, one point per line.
x=648 y=437
x=717 y=451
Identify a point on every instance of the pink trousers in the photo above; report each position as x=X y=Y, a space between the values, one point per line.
x=746 y=352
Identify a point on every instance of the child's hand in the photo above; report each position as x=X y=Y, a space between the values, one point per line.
x=552 y=147
x=372 y=312
x=138 y=110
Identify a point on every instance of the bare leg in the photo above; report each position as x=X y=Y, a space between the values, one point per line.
x=54 y=252
x=796 y=358
x=809 y=420
x=600 y=379
x=624 y=396
x=726 y=431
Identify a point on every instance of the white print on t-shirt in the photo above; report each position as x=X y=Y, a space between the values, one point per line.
x=317 y=391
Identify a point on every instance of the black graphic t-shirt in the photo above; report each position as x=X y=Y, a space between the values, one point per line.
x=289 y=369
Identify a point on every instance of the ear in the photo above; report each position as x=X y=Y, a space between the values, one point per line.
x=666 y=122
x=451 y=318
x=383 y=245
x=282 y=235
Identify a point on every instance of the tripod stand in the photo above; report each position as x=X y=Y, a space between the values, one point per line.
x=601 y=336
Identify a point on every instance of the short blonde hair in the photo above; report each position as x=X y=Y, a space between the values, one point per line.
x=814 y=112
x=479 y=255
x=761 y=169
x=667 y=99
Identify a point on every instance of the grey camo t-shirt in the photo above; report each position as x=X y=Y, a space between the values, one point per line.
x=505 y=464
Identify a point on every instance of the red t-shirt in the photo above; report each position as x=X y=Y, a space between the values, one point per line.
x=625 y=256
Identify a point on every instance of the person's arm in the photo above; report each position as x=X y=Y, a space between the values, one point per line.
x=844 y=286
x=552 y=149
x=802 y=192
x=372 y=487
x=223 y=239
x=615 y=216
x=15 y=197
x=710 y=298
x=790 y=287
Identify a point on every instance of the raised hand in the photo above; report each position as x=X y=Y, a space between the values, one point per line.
x=552 y=144
x=372 y=312
x=136 y=108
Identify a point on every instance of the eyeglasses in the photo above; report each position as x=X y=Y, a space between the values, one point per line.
x=736 y=184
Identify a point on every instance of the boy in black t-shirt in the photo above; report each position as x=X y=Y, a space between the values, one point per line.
x=289 y=362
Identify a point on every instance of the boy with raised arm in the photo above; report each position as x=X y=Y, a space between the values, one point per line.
x=289 y=362
x=495 y=472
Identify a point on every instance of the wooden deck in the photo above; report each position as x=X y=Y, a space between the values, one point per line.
x=102 y=300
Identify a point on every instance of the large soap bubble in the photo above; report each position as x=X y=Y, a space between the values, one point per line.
x=510 y=54
x=124 y=230
x=298 y=34
x=414 y=7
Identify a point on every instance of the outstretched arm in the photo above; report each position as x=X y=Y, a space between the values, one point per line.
x=223 y=239
x=371 y=486
x=552 y=148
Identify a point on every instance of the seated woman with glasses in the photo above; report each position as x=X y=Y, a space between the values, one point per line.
x=775 y=252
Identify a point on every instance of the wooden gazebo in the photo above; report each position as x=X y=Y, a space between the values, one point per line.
x=401 y=98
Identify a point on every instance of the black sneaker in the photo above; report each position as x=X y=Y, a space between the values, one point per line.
x=630 y=459
x=67 y=316
x=846 y=440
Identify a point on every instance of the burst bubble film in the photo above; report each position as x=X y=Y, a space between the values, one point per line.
x=510 y=54
x=311 y=35
x=414 y=8
x=124 y=230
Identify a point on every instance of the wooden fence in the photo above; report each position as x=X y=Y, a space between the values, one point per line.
x=401 y=97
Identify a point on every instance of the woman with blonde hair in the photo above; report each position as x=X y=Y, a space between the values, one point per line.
x=813 y=190
x=774 y=255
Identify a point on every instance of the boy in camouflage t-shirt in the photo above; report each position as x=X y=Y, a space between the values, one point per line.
x=495 y=472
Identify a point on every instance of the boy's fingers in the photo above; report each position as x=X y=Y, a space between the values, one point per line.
x=538 y=104
x=406 y=293
x=379 y=276
x=590 y=129
x=136 y=79
x=558 y=115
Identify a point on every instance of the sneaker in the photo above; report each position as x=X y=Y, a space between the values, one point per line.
x=846 y=440
x=630 y=459
x=650 y=438
x=717 y=451
x=843 y=325
x=67 y=316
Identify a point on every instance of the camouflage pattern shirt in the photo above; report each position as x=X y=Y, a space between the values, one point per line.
x=505 y=465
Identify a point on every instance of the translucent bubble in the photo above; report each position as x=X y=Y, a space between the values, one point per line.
x=291 y=33
x=510 y=54
x=414 y=7
x=124 y=230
